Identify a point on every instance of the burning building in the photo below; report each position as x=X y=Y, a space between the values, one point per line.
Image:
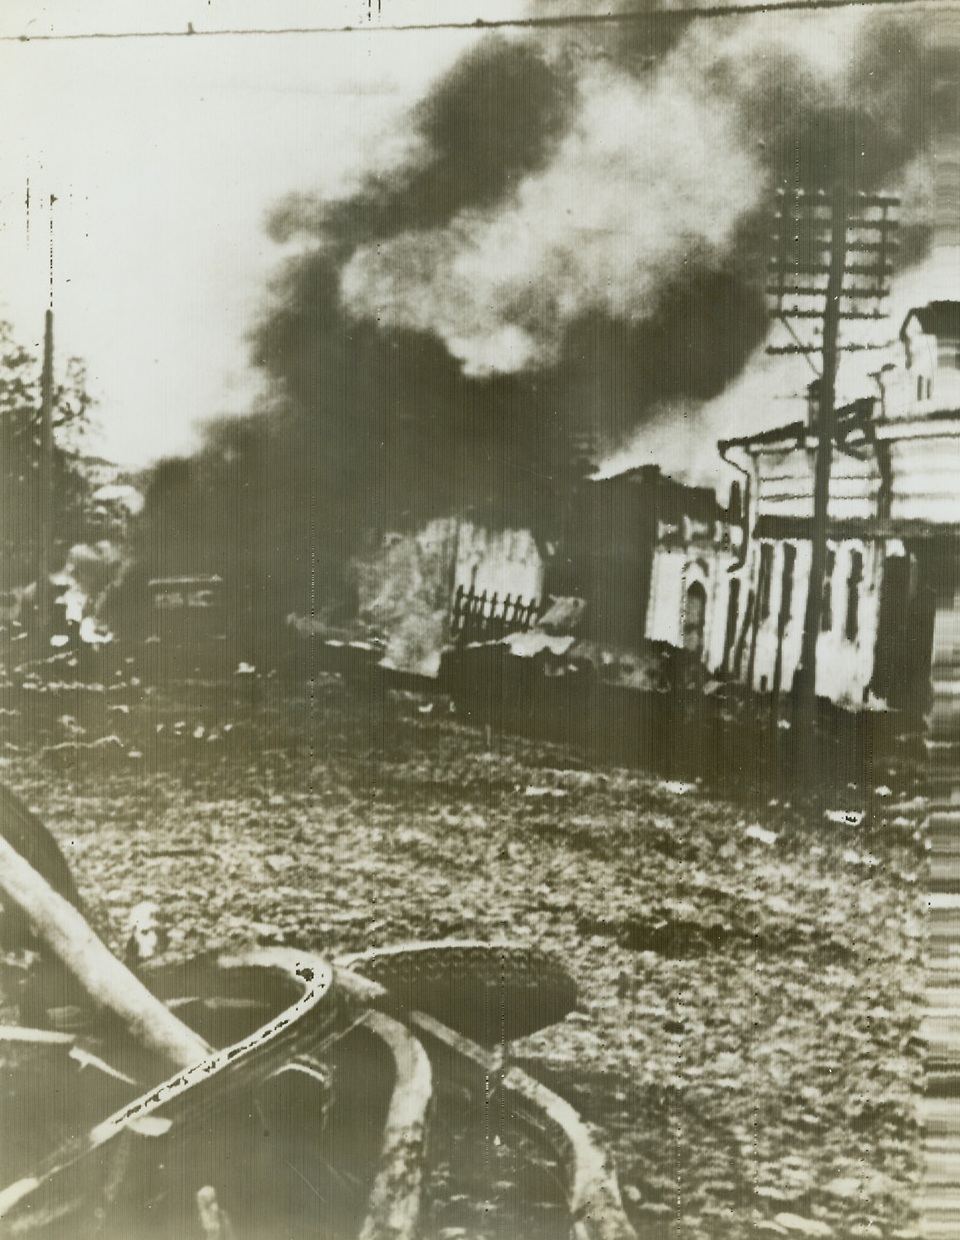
x=636 y=594
x=891 y=574
x=453 y=576
x=650 y=557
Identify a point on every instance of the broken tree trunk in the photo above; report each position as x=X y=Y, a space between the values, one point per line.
x=110 y=985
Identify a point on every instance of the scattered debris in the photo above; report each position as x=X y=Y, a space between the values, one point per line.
x=795 y=1224
x=844 y=817
x=755 y=832
x=852 y=857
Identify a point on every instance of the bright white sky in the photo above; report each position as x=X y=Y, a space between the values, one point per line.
x=165 y=156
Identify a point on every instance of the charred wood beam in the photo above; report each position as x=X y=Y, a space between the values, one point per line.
x=866 y=528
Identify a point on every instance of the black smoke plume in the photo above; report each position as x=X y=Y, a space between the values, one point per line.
x=578 y=238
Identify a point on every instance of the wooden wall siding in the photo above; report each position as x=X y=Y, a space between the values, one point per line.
x=924 y=463
x=785 y=485
x=926 y=479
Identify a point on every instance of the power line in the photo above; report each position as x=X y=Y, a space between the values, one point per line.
x=646 y=17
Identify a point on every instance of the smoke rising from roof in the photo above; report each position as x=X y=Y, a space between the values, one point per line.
x=604 y=229
x=574 y=244
x=603 y=178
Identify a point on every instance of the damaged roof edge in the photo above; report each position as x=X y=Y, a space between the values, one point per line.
x=791 y=431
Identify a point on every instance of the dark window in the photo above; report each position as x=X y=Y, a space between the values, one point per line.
x=694 y=618
x=763 y=585
x=826 y=600
x=733 y=615
x=742 y=642
x=735 y=506
x=786 y=603
x=851 y=623
x=920 y=388
x=786 y=587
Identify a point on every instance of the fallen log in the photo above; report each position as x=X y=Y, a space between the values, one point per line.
x=64 y=932
x=26 y=833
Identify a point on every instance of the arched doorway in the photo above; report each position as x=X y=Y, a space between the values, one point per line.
x=694 y=617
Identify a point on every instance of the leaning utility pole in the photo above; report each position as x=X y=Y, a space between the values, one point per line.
x=832 y=262
x=47 y=488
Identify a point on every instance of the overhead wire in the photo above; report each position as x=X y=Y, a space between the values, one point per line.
x=652 y=16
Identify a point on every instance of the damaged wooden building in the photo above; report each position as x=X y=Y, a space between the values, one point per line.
x=650 y=558
x=888 y=620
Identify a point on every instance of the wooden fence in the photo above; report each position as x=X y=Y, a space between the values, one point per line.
x=487 y=617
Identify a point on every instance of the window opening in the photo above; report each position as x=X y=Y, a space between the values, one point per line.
x=763 y=585
x=826 y=600
x=852 y=620
x=694 y=617
x=733 y=614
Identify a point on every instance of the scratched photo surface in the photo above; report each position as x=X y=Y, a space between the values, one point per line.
x=479 y=619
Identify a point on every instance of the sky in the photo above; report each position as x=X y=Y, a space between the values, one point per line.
x=165 y=157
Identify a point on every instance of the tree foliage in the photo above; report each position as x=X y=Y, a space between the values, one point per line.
x=20 y=435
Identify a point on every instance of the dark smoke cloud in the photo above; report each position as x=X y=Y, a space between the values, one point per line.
x=494 y=118
x=663 y=167
x=577 y=239
x=612 y=185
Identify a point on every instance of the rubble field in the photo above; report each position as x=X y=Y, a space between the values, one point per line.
x=750 y=975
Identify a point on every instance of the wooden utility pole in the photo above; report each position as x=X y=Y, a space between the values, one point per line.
x=832 y=262
x=825 y=431
x=47 y=489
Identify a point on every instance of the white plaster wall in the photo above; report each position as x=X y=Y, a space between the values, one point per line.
x=405 y=589
x=766 y=652
x=499 y=561
x=674 y=572
x=718 y=601
x=844 y=667
x=666 y=596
